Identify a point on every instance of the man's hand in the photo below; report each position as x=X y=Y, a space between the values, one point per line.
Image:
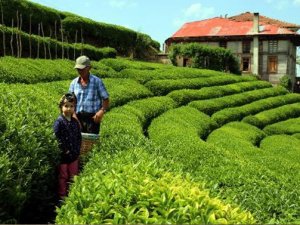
x=98 y=116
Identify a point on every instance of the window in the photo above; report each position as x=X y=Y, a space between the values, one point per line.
x=272 y=64
x=273 y=46
x=246 y=46
x=261 y=46
x=245 y=64
x=223 y=44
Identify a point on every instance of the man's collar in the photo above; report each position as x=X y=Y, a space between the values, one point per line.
x=79 y=78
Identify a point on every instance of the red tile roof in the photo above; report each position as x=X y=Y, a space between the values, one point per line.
x=247 y=16
x=239 y=25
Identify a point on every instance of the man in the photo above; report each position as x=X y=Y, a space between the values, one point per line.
x=92 y=97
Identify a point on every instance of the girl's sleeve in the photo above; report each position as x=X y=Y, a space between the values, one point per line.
x=58 y=134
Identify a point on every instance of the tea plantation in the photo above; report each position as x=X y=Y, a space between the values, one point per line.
x=178 y=145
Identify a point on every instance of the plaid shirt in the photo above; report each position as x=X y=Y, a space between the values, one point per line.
x=89 y=98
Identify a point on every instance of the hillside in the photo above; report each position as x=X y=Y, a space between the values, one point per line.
x=178 y=145
x=35 y=19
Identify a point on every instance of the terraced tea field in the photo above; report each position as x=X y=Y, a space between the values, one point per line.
x=178 y=145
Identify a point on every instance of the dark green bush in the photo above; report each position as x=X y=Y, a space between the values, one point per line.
x=204 y=56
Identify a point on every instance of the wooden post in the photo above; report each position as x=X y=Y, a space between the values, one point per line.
x=3 y=32
x=81 y=42
x=12 y=37
x=49 y=44
x=75 y=44
x=17 y=36
x=55 y=36
x=20 y=36
x=67 y=47
x=44 y=44
x=30 y=35
x=38 y=45
x=62 y=40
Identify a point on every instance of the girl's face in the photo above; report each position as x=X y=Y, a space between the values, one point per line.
x=68 y=109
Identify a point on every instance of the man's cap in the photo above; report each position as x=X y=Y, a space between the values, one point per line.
x=82 y=62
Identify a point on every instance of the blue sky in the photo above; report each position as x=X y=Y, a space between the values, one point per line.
x=162 y=18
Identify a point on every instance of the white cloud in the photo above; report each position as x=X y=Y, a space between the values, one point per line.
x=179 y=22
x=296 y=2
x=193 y=12
x=197 y=10
x=280 y=5
x=121 y=3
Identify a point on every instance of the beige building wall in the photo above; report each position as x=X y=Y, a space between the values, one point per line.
x=286 y=53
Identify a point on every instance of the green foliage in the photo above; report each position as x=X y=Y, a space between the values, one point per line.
x=156 y=197
x=184 y=96
x=270 y=116
x=243 y=131
x=285 y=81
x=210 y=106
x=290 y=126
x=239 y=112
x=137 y=172
x=29 y=147
x=50 y=48
x=125 y=90
x=72 y=27
x=203 y=56
x=163 y=87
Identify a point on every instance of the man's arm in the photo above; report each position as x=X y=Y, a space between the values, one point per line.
x=99 y=115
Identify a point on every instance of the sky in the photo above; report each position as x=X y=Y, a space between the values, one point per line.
x=160 y=19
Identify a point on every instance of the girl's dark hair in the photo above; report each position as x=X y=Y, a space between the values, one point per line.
x=69 y=97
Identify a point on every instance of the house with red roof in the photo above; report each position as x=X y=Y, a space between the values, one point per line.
x=264 y=46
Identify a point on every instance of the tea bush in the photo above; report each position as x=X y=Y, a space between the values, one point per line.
x=210 y=106
x=290 y=126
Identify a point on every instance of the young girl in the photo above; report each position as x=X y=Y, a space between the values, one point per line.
x=67 y=132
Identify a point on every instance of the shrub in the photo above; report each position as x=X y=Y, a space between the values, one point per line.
x=204 y=56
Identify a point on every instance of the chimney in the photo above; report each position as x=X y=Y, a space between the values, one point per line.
x=255 y=23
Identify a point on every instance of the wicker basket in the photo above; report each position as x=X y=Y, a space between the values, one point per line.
x=88 y=140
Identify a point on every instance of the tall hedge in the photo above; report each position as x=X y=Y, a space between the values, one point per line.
x=46 y=47
x=75 y=28
x=203 y=56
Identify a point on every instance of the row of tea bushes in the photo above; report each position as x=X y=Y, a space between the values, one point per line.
x=121 y=171
x=239 y=130
x=238 y=113
x=163 y=87
x=123 y=126
x=48 y=48
x=274 y=115
x=185 y=96
x=283 y=148
x=28 y=152
x=129 y=68
x=125 y=90
x=134 y=186
x=26 y=70
x=210 y=106
x=234 y=169
x=120 y=64
x=146 y=109
x=30 y=71
x=167 y=72
x=279 y=185
x=289 y=127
